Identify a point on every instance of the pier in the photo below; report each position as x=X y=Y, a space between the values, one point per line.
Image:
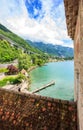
x=45 y=86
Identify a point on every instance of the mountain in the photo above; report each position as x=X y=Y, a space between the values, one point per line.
x=16 y=40
x=14 y=47
x=56 y=50
x=11 y=46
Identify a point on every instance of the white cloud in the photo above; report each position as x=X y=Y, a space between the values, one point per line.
x=50 y=29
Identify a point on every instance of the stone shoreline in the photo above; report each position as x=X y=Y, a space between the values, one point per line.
x=32 y=67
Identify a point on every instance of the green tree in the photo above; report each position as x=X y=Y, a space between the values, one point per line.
x=24 y=61
x=7 y=52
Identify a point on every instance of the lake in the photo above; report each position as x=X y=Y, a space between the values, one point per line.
x=60 y=72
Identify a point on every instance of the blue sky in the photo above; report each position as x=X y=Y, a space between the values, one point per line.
x=36 y=20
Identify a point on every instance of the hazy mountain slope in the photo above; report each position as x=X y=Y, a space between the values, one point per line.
x=56 y=50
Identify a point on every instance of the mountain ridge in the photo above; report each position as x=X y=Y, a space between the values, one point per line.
x=17 y=39
x=56 y=50
x=14 y=47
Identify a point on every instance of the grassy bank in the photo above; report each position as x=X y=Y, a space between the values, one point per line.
x=14 y=79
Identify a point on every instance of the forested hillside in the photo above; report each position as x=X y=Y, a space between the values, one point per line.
x=14 y=47
x=7 y=52
x=17 y=40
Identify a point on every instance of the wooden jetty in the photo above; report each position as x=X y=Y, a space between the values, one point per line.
x=45 y=86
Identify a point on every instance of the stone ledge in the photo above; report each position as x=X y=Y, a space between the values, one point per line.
x=20 y=111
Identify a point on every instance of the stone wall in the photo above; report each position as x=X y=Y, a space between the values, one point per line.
x=77 y=56
x=32 y=112
x=79 y=65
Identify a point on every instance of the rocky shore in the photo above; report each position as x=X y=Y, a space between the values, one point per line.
x=32 y=67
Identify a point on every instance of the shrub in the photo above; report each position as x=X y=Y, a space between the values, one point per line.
x=12 y=80
x=19 y=79
x=12 y=70
x=6 y=80
x=3 y=70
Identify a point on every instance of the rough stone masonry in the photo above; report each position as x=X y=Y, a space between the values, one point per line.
x=20 y=111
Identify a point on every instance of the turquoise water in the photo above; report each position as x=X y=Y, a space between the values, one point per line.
x=60 y=72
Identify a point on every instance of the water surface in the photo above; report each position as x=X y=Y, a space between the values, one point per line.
x=63 y=75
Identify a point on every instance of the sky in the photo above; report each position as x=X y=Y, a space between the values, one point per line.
x=36 y=20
